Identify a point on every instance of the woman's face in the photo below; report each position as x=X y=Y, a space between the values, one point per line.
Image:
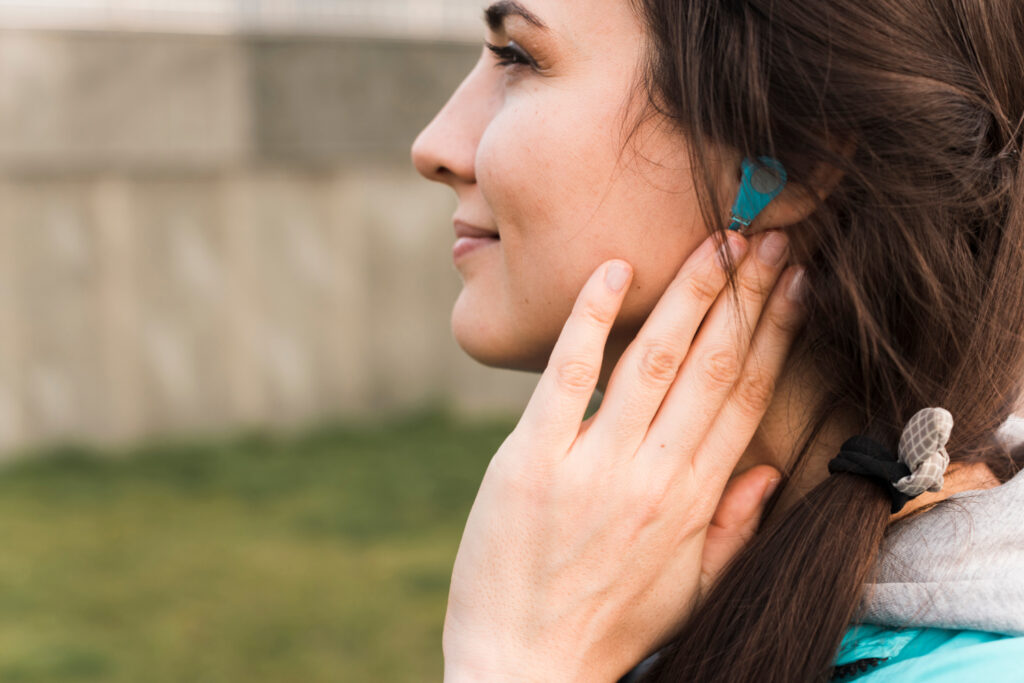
x=540 y=154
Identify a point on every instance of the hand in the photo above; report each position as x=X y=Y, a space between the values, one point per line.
x=589 y=542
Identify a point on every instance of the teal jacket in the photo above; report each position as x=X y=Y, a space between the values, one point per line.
x=875 y=654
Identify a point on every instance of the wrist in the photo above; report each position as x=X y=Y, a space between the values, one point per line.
x=468 y=673
x=487 y=660
x=526 y=669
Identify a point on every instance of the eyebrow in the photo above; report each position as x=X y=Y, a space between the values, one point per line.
x=496 y=14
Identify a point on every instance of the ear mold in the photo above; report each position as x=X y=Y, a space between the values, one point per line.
x=762 y=182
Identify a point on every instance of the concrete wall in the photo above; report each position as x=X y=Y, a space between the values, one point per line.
x=198 y=233
x=430 y=19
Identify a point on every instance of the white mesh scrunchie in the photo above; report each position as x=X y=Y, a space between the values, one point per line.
x=923 y=450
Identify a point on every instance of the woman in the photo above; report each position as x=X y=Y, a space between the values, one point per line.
x=595 y=150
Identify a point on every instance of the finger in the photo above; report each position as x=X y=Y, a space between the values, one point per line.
x=651 y=363
x=716 y=361
x=752 y=394
x=737 y=518
x=558 y=404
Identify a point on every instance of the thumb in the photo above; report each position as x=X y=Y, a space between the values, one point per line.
x=736 y=519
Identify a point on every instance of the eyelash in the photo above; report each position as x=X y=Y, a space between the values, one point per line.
x=511 y=55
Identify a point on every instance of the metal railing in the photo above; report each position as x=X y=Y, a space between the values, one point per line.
x=450 y=19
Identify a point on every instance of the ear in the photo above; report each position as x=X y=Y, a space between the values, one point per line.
x=798 y=200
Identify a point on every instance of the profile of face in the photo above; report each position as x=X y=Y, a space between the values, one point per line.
x=549 y=145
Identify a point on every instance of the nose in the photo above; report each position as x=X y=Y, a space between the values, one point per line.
x=445 y=151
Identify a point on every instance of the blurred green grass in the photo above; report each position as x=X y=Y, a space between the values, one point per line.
x=322 y=556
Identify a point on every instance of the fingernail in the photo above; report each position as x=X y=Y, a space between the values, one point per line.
x=795 y=291
x=734 y=246
x=772 y=248
x=773 y=486
x=616 y=275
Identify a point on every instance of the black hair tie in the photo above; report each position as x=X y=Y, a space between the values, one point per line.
x=868 y=458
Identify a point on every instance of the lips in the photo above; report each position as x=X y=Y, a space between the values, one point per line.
x=470 y=238
x=463 y=229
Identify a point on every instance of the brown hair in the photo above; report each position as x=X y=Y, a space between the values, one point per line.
x=915 y=266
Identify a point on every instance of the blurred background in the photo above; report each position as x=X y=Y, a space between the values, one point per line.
x=239 y=441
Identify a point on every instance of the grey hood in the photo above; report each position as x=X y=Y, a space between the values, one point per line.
x=960 y=565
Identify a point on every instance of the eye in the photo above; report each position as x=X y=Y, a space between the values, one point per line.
x=511 y=55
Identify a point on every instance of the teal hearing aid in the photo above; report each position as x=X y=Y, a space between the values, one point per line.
x=760 y=185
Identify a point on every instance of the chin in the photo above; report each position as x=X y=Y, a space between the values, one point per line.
x=492 y=341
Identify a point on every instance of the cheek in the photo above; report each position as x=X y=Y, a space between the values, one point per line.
x=568 y=193
x=545 y=153
x=546 y=168
x=535 y=174
x=517 y=160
